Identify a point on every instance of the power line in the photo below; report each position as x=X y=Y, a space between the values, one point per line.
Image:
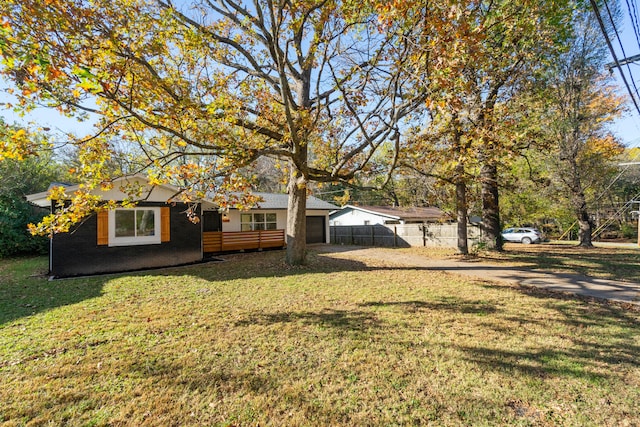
x=633 y=15
x=615 y=31
x=594 y=6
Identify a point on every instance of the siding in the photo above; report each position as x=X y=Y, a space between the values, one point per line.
x=355 y=217
x=78 y=253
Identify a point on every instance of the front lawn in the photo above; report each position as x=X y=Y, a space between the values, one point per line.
x=250 y=341
x=618 y=263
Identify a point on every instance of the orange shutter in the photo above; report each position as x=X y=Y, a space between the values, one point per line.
x=103 y=228
x=165 y=224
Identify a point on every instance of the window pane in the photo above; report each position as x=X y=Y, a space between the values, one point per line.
x=125 y=223
x=271 y=226
x=258 y=226
x=245 y=227
x=145 y=222
x=271 y=217
x=245 y=218
x=259 y=217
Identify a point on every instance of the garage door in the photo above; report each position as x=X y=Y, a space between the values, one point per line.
x=315 y=229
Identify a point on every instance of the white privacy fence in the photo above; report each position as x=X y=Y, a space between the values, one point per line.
x=402 y=235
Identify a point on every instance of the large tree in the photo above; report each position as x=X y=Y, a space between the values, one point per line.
x=313 y=83
x=442 y=150
x=478 y=61
x=582 y=102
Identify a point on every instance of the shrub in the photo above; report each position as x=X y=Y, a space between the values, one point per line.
x=628 y=230
x=15 y=239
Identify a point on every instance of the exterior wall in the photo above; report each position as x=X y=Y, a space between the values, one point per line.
x=234 y=218
x=77 y=253
x=402 y=235
x=281 y=217
x=356 y=217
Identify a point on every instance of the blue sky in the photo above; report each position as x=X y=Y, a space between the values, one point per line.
x=627 y=45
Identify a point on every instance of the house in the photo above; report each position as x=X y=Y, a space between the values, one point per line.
x=156 y=233
x=268 y=215
x=381 y=215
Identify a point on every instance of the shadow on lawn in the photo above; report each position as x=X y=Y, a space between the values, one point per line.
x=25 y=290
x=605 y=335
x=603 y=262
x=582 y=362
x=455 y=305
x=584 y=358
x=360 y=320
x=352 y=320
x=30 y=297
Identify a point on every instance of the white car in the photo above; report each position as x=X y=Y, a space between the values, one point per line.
x=522 y=235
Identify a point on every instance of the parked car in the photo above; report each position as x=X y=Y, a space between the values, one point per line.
x=522 y=235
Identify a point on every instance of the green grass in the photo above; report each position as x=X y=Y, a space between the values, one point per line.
x=605 y=262
x=251 y=341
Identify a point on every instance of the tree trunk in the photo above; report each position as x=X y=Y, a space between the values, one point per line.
x=461 y=209
x=579 y=203
x=585 y=231
x=490 y=206
x=296 y=219
x=585 y=225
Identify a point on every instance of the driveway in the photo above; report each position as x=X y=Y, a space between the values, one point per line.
x=612 y=290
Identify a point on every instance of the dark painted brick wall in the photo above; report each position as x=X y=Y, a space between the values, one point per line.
x=77 y=253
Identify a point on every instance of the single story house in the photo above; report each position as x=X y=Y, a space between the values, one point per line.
x=157 y=233
x=381 y=215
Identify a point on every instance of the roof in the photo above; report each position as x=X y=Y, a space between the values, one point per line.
x=42 y=198
x=271 y=200
x=399 y=213
x=281 y=201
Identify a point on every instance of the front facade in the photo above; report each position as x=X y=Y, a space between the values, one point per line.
x=158 y=234
x=149 y=236
x=266 y=222
x=271 y=214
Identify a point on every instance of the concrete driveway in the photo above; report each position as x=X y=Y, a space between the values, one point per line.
x=625 y=292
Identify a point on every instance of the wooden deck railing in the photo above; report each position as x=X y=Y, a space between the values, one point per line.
x=223 y=241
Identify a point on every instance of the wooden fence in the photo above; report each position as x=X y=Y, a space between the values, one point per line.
x=223 y=241
x=402 y=235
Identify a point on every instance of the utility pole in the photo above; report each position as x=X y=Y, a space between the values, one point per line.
x=634 y=201
x=611 y=65
x=638 y=213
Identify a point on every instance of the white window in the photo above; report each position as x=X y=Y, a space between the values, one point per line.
x=134 y=226
x=258 y=221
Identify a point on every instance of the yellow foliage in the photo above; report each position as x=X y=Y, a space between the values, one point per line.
x=344 y=199
x=605 y=148
x=19 y=143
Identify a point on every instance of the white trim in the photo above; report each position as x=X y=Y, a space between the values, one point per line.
x=358 y=208
x=254 y=222
x=155 y=193
x=136 y=240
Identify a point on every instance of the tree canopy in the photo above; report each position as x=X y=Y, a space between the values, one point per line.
x=479 y=62
x=202 y=93
x=314 y=84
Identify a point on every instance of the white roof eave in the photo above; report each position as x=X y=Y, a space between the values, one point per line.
x=358 y=208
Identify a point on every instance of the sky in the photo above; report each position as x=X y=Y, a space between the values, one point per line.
x=627 y=45
x=627 y=128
